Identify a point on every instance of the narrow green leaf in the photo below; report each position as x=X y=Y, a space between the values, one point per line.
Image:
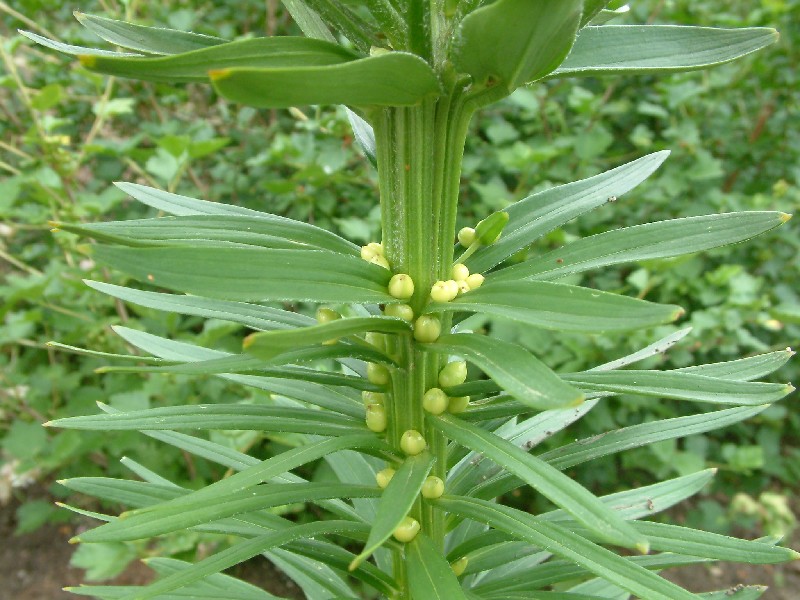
x=536 y=215
x=396 y=500
x=254 y=316
x=620 y=440
x=269 y=344
x=615 y=49
x=657 y=347
x=591 y=8
x=364 y=135
x=743 y=369
x=153 y=40
x=516 y=370
x=246 y=274
x=221 y=583
x=266 y=231
x=241 y=552
x=73 y=50
x=265 y=52
x=176 y=204
x=568 y=545
x=163 y=519
x=316 y=579
x=392 y=79
x=545 y=479
x=429 y=574
x=213 y=416
x=560 y=306
x=664 y=239
x=680 y=386
x=515 y=41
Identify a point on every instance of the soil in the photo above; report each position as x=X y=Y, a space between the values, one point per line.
x=36 y=567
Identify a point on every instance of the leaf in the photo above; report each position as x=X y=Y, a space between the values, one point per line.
x=279 y=52
x=69 y=49
x=254 y=316
x=515 y=41
x=153 y=40
x=680 y=386
x=213 y=416
x=568 y=545
x=536 y=215
x=267 y=231
x=316 y=579
x=246 y=274
x=513 y=368
x=429 y=574
x=591 y=8
x=615 y=49
x=241 y=552
x=307 y=20
x=392 y=79
x=396 y=500
x=548 y=481
x=176 y=204
x=657 y=347
x=664 y=239
x=561 y=307
x=268 y=344
x=162 y=519
x=620 y=440
x=365 y=136
x=103 y=561
x=743 y=369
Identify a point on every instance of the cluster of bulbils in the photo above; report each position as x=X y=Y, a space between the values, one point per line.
x=427 y=329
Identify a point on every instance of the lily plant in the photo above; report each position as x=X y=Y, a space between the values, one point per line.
x=424 y=448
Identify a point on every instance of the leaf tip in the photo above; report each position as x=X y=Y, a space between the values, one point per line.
x=677 y=314
x=579 y=399
x=789 y=351
x=74 y=540
x=47 y=424
x=784 y=217
x=356 y=562
x=248 y=341
x=643 y=547
x=789 y=388
x=101 y=370
x=87 y=60
x=219 y=74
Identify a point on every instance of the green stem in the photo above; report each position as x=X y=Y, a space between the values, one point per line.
x=419 y=155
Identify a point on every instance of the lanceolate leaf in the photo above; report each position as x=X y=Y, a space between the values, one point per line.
x=160 y=520
x=513 y=368
x=664 y=239
x=561 y=307
x=657 y=347
x=246 y=274
x=268 y=231
x=69 y=49
x=213 y=416
x=566 y=544
x=275 y=52
x=153 y=40
x=429 y=574
x=392 y=79
x=548 y=481
x=680 y=386
x=269 y=344
x=615 y=49
x=175 y=204
x=743 y=369
x=396 y=500
x=536 y=215
x=516 y=41
x=621 y=440
x=254 y=316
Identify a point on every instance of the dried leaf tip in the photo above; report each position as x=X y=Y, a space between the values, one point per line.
x=643 y=547
x=87 y=60
x=785 y=217
x=219 y=74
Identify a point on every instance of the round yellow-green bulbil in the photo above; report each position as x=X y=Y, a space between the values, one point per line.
x=427 y=329
x=453 y=373
x=441 y=292
x=407 y=530
x=373 y=398
x=378 y=374
x=475 y=281
x=376 y=418
x=433 y=487
x=412 y=442
x=466 y=236
x=435 y=401
x=401 y=311
x=459 y=272
x=383 y=477
x=326 y=315
x=401 y=286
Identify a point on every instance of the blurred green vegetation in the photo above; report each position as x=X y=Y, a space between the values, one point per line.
x=67 y=134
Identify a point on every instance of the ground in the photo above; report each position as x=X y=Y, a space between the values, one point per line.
x=36 y=567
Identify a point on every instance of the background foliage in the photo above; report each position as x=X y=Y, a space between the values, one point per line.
x=65 y=134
